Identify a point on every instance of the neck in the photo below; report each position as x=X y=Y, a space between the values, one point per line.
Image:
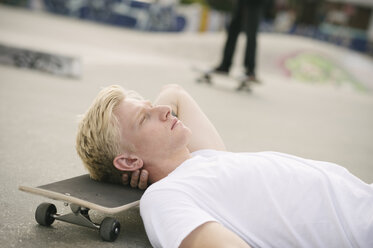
x=159 y=169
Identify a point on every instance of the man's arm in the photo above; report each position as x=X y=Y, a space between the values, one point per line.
x=214 y=235
x=204 y=134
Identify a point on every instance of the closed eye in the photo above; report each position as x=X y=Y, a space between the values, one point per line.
x=144 y=118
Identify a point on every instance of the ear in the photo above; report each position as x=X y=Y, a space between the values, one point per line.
x=125 y=162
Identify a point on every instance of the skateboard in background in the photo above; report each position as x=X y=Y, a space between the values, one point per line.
x=208 y=76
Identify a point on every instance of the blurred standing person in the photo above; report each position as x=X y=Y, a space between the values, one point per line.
x=249 y=10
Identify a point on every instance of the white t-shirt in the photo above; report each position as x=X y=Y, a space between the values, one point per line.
x=269 y=199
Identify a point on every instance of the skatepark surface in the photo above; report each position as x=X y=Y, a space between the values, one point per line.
x=328 y=119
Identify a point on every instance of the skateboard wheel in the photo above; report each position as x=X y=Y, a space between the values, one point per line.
x=109 y=229
x=44 y=214
x=205 y=78
x=244 y=86
x=202 y=80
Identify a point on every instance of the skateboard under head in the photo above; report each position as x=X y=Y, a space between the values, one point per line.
x=83 y=191
x=83 y=194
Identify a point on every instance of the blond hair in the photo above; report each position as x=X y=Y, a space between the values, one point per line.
x=98 y=139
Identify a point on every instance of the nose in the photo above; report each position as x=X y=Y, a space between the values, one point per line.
x=164 y=112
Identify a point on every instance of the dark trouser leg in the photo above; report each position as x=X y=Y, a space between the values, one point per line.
x=233 y=32
x=253 y=20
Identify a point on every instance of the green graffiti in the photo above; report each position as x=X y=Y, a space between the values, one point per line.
x=316 y=68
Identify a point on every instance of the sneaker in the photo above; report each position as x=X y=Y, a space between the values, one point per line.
x=221 y=69
x=252 y=78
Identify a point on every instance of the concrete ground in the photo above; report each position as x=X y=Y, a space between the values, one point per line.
x=38 y=111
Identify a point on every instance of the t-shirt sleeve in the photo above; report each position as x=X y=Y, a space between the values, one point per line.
x=170 y=216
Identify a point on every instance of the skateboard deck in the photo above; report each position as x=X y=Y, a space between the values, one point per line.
x=82 y=190
x=83 y=194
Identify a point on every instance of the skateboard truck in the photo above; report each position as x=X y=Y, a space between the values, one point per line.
x=46 y=214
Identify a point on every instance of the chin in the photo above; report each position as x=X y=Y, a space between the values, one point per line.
x=188 y=135
x=189 y=132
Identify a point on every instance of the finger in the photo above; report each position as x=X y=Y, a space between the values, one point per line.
x=135 y=178
x=144 y=176
x=125 y=180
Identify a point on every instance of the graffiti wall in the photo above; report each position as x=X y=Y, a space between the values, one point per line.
x=170 y=16
x=146 y=15
x=143 y=15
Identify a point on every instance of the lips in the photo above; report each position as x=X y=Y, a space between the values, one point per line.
x=174 y=122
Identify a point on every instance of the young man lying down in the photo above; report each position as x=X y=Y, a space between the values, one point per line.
x=203 y=196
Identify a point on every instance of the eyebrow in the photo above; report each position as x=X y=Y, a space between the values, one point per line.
x=149 y=103
x=138 y=116
x=141 y=112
